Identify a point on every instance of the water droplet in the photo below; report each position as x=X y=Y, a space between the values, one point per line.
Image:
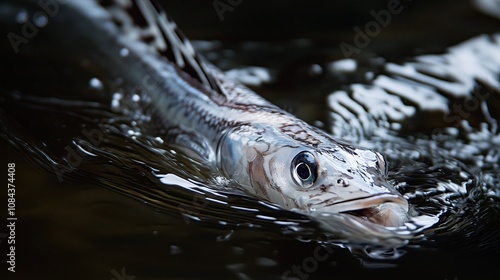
x=369 y=75
x=343 y=66
x=117 y=96
x=96 y=84
x=115 y=103
x=238 y=250
x=235 y=267
x=319 y=124
x=315 y=70
x=40 y=19
x=136 y=97
x=22 y=16
x=124 y=52
x=226 y=237
x=175 y=250
x=133 y=133
x=262 y=261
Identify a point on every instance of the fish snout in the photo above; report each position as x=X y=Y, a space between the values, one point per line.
x=386 y=209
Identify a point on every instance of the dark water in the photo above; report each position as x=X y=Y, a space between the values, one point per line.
x=116 y=215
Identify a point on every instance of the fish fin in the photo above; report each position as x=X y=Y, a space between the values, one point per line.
x=163 y=33
x=191 y=143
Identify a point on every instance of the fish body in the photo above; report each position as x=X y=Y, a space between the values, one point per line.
x=269 y=152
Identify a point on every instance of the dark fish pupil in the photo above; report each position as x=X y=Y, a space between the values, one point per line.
x=303 y=171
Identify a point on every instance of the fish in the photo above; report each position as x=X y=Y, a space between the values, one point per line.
x=268 y=152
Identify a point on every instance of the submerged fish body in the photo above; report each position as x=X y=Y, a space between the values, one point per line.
x=268 y=152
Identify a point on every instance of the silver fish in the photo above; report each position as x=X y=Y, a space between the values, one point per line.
x=269 y=152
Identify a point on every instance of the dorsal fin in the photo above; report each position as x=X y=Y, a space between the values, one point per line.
x=159 y=30
x=171 y=42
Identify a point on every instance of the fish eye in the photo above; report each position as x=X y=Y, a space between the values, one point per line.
x=304 y=169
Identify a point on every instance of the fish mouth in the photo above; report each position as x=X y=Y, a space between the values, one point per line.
x=386 y=209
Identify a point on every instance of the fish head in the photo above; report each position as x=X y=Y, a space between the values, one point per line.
x=329 y=176
x=348 y=180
